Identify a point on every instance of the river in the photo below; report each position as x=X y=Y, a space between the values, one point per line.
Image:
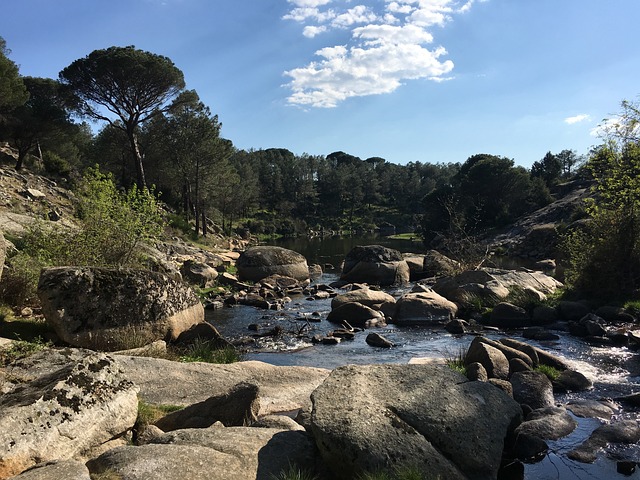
x=614 y=371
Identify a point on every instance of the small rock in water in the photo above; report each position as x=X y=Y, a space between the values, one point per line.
x=330 y=340
x=377 y=340
x=626 y=467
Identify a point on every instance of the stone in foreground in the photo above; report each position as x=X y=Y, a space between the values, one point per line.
x=380 y=417
x=108 y=309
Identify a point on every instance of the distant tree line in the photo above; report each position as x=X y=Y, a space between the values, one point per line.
x=154 y=131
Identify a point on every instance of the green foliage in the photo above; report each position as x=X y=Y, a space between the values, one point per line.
x=551 y=372
x=149 y=413
x=18 y=285
x=292 y=472
x=457 y=361
x=13 y=92
x=604 y=256
x=56 y=165
x=633 y=307
x=204 y=351
x=21 y=349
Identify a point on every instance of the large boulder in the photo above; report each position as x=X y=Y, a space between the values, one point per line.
x=280 y=389
x=382 y=417
x=108 y=309
x=533 y=389
x=77 y=402
x=199 y=273
x=356 y=315
x=365 y=296
x=256 y=263
x=210 y=453
x=423 y=308
x=375 y=264
x=435 y=264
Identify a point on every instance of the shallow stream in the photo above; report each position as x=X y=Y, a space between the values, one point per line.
x=614 y=371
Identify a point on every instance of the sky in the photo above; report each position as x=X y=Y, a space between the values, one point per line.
x=405 y=80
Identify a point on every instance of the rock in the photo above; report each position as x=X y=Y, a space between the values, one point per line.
x=146 y=434
x=508 y=351
x=156 y=462
x=3 y=252
x=62 y=412
x=34 y=194
x=416 y=266
x=543 y=357
x=198 y=273
x=365 y=296
x=256 y=263
x=529 y=448
x=550 y=423
x=262 y=453
x=281 y=422
x=604 y=409
x=476 y=372
x=456 y=326
x=281 y=389
x=540 y=334
x=435 y=264
x=226 y=278
x=357 y=315
x=572 y=381
x=572 y=310
x=375 y=264
x=614 y=314
x=382 y=417
x=544 y=315
x=423 y=308
x=62 y=469
x=236 y=407
x=546 y=265
x=204 y=332
x=593 y=325
x=492 y=359
x=105 y=309
x=533 y=389
x=155 y=349
x=503 y=385
x=624 y=431
x=377 y=340
x=315 y=271
x=517 y=365
x=506 y=315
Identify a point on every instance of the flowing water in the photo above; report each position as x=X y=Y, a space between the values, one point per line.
x=614 y=371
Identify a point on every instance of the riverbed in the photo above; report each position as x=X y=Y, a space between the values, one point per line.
x=615 y=371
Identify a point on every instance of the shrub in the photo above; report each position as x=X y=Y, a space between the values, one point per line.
x=21 y=349
x=204 y=351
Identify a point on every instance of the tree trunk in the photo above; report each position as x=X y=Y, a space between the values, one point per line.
x=204 y=222
x=137 y=158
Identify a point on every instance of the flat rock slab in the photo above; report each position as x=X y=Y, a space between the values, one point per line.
x=65 y=469
x=281 y=389
x=64 y=413
x=378 y=417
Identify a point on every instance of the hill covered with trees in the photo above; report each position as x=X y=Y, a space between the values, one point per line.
x=153 y=131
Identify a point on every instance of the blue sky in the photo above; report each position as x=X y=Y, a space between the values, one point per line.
x=406 y=80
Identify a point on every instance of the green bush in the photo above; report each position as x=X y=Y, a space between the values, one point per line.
x=56 y=165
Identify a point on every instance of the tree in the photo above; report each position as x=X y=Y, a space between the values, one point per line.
x=604 y=257
x=549 y=169
x=42 y=117
x=125 y=87
x=13 y=92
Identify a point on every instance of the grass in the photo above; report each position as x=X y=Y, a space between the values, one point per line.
x=203 y=351
x=149 y=413
x=292 y=472
x=633 y=307
x=22 y=349
x=551 y=372
x=27 y=329
x=412 y=237
x=457 y=361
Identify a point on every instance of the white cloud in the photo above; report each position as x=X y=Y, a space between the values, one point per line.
x=309 y=3
x=357 y=14
x=311 y=31
x=583 y=117
x=388 y=47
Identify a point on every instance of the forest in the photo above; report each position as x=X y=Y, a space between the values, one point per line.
x=148 y=129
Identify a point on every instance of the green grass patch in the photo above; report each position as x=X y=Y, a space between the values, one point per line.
x=410 y=237
x=551 y=372
x=292 y=472
x=203 y=351
x=22 y=349
x=149 y=413
x=632 y=307
x=456 y=361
